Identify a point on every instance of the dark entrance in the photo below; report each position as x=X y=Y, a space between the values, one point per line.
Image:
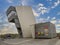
x=20 y=32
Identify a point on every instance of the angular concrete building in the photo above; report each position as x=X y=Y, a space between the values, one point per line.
x=23 y=17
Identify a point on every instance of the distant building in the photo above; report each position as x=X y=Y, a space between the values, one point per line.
x=23 y=17
x=44 y=30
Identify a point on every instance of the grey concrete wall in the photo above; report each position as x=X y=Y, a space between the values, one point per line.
x=53 y=30
x=26 y=18
x=32 y=27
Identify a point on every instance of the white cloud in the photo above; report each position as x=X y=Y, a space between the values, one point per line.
x=10 y=1
x=3 y=18
x=41 y=20
x=58 y=25
x=56 y=4
x=53 y=21
x=35 y=14
x=40 y=4
x=57 y=22
x=42 y=9
x=23 y=2
x=26 y=2
x=53 y=18
x=39 y=9
x=9 y=28
x=48 y=17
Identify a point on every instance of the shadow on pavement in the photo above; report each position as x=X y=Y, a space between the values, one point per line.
x=53 y=42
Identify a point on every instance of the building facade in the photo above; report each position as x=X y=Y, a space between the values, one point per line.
x=44 y=30
x=23 y=17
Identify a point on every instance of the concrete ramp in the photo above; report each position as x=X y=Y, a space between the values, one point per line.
x=26 y=18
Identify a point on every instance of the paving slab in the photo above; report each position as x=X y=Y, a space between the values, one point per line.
x=24 y=41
